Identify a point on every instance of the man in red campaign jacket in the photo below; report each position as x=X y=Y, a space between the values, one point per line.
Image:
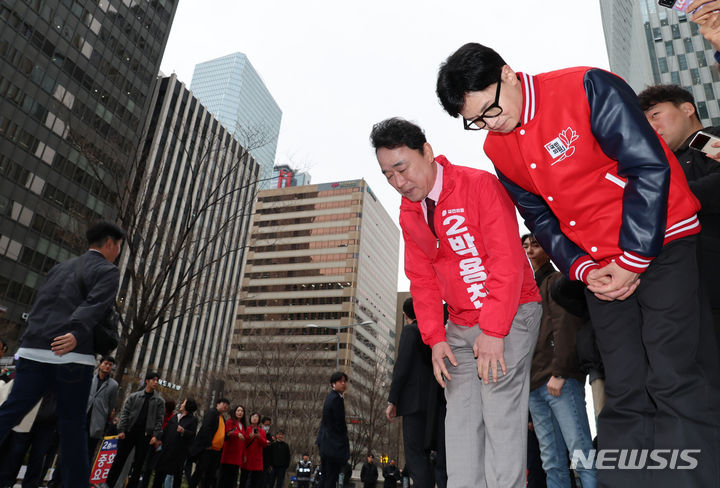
x=462 y=247
x=606 y=197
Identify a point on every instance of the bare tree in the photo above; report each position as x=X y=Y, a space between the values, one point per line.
x=280 y=376
x=366 y=405
x=170 y=267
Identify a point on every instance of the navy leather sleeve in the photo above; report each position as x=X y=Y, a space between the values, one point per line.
x=624 y=134
x=543 y=224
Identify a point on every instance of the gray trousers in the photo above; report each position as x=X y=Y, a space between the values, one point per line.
x=486 y=425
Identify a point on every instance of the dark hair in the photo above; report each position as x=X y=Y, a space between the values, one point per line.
x=370 y=455
x=408 y=308
x=100 y=232
x=674 y=94
x=396 y=132
x=265 y=419
x=523 y=237
x=280 y=432
x=190 y=405
x=169 y=407
x=252 y=415
x=242 y=420
x=108 y=358
x=471 y=68
x=337 y=376
x=151 y=374
x=222 y=400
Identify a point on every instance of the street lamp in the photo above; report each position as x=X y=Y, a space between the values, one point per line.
x=337 y=336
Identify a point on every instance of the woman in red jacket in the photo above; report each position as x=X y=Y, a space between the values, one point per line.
x=233 y=451
x=255 y=441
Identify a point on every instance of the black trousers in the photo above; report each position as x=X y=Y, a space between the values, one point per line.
x=228 y=476
x=206 y=469
x=133 y=439
x=659 y=355
x=330 y=469
x=416 y=456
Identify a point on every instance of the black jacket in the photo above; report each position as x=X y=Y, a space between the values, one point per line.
x=413 y=381
x=703 y=175
x=369 y=473
x=61 y=305
x=175 y=446
x=391 y=475
x=280 y=454
x=332 y=439
x=206 y=433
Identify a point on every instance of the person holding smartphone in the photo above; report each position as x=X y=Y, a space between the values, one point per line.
x=671 y=111
x=255 y=441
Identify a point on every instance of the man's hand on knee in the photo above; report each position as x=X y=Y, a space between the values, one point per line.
x=440 y=351
x=489 y=351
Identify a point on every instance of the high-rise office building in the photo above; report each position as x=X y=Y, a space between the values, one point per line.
x=236 y=95
x=198 y=188
x=322 y=258
x=649 y=44
x=75 y=85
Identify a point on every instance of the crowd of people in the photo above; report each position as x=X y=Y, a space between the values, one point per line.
x=167 y=442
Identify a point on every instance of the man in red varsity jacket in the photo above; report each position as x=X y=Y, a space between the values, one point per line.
x=606 y=197
x=461 y=247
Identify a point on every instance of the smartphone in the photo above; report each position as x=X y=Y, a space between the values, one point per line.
x=704 y=142
x=680 y=5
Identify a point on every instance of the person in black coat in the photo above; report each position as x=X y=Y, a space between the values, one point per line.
x=202 y=451
x=391 y=475
x=176 y=439
x=279 y=460
x=671 y=111
x=332 y=439
x=411 y=392
x=369 y=472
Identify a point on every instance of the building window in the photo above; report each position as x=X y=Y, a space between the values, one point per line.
x=709 y=93
x=682 y=62
x=695 y=76
x=675 y=29
x=702 y=110
x=669 y=48
x=657 y=35
x=688 y=45
x=662 y=62
x=675 y=77
x=702 y=61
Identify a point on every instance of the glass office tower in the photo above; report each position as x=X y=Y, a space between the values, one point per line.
x=236 y=95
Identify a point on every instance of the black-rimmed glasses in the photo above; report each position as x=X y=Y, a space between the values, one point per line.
x=479 y=123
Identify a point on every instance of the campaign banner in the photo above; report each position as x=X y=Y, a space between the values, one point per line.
x=104 y=460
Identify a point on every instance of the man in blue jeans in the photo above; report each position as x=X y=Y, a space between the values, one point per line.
x=557 y=398
x=56 y=351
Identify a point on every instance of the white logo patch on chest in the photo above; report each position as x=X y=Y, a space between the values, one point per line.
x=562 y=147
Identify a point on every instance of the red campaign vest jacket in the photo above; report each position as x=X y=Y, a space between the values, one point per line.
x=477 y=264
x=592 y=179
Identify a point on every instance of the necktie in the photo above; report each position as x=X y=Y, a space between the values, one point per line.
x=431 y=214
